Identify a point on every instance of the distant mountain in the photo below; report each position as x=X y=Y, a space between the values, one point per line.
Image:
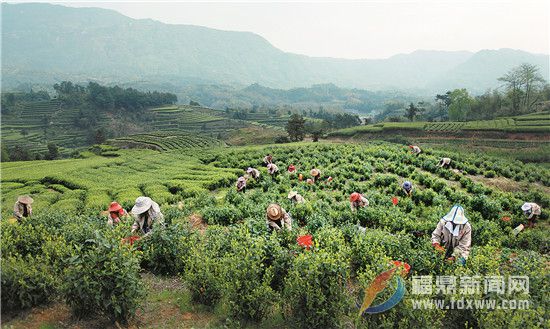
x=43 y=43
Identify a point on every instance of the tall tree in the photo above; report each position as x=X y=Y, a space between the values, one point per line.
x=412 y=111
x=512 y=82
x=460 y=107
x=296 y=127
x=531 y=80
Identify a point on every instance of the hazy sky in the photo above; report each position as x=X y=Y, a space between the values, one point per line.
x=367 y=29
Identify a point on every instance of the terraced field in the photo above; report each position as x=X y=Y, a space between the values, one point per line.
x=35 y=124
x=79 y=185
x=532 y=123
x=165 y=141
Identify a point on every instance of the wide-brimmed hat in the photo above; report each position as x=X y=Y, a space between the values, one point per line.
x=114 y=207
x=292 y=194
x=314 y=172
x=274 y=211
x=456 y=215
x=143 y=204
x=25 y=199
x=526 y=207
x=354 y=197
x=407 y=184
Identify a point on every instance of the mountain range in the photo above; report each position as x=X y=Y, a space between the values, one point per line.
x=45 y=43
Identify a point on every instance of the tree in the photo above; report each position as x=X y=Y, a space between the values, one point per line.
x=443 y=102
x=296 y=127
x=193 y=103
x=512 y=81
x=412 y=111
x=5 y=157
x=53 y=152
x=531 y=80
x=460 y=105
x=99 y=137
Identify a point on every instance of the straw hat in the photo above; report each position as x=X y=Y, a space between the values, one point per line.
x=456 y=215
x=354 y=197
x=143 y=204
x=274 y=212
x=314 y=172
x=25 y=199
x=526 y=207
x=292 y=194
x=115 y=207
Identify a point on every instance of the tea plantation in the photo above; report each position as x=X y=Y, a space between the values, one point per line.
x=216 y=241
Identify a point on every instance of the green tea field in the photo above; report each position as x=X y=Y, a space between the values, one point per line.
x=215 y=264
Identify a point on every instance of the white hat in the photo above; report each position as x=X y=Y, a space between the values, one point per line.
x=292 y=194
x=143 y=204
x=526 y=206
x=456 y=215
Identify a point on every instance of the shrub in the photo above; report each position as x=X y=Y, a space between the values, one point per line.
x=26 y=281
x=315 y=292
x=165 y=249
x=103 y=280
x=222 y=215
x=246 y=284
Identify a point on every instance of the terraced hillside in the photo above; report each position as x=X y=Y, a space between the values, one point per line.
x=36 y=124
x=531 y=123
x=165 y=141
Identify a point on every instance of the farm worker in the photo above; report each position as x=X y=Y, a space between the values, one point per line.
x=268 y=159
x=407 y=188
x=291 y=169
x=22 y=207
x=146 y=212
x=532 y=211
x=254 y=173
x=300 y=177
x=272 y=168
x=444 y=162
x=453 y=235
x=278 y=218
x=310 y=181
x=357 y=200
x=415 y=149
x=315 y=173
x=115 y=213
x=241 y=184
x=294 y=196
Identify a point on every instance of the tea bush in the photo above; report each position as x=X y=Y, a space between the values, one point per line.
x=315 y=292
x=103 y=280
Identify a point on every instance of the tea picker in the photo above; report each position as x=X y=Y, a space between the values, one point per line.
x=241 y=183
x=295 y=197
x=146 y=212
x=291 y=169
x=272 y=169
x=268 y=159
x=415 y=149
x=453 y=235
x=357 y=200
x=253 y=172
x=22 y=207
x=278 y=218
x=532 y=211
x=116 y=212
x=407 y=188
x=315 y=174
x=444 y=162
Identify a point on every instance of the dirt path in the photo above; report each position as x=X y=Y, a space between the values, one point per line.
x=167 y=305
